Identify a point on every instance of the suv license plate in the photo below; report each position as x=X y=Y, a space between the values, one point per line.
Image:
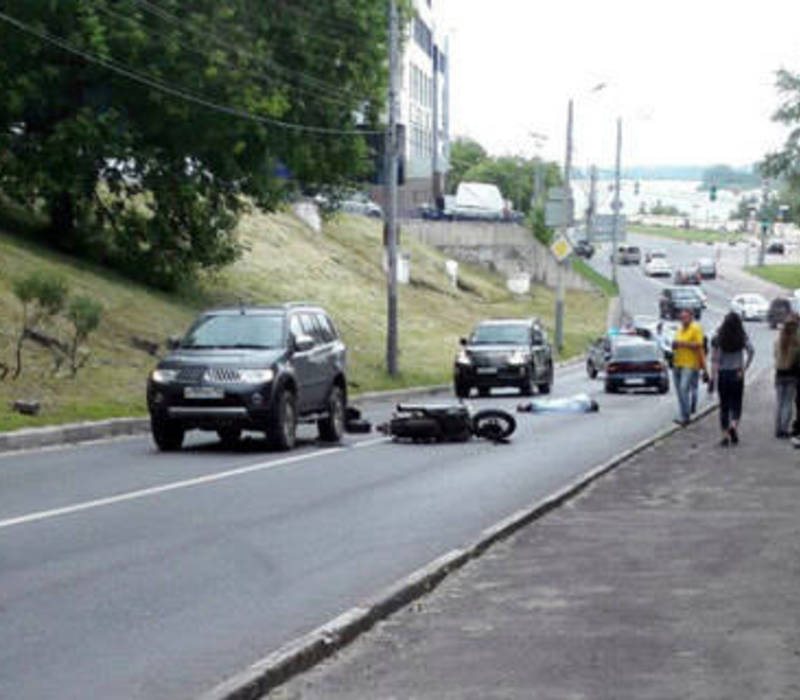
x=487 y=370
x=635 y=381
x=203 y=392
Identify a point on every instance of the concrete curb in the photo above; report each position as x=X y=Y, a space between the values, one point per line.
x=305 y=652
x=71 y=433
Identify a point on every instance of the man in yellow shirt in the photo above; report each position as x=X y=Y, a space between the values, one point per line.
x=687 y=362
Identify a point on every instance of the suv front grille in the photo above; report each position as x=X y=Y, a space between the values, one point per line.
x=222 y=375
x=191 y=375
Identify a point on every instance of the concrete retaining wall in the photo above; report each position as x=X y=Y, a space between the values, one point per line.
x=503 y=247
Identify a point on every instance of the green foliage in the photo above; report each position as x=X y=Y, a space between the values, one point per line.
x=659 y=209
x=84 y=314
x=605 y=285
x=540 y=231
x=464 y=154
x=726 y=177
x=785 y=163
x=47 y=294
x=154 y=184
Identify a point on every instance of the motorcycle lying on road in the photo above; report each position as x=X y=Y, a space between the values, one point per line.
x=448 y=423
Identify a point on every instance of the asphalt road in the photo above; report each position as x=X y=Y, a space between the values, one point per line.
x=125 y=573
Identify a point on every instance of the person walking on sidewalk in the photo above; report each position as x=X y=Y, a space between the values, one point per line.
x=688 y=361
x=787 y=356
x=728 y=367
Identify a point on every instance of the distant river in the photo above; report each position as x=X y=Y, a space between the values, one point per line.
x=683 y=194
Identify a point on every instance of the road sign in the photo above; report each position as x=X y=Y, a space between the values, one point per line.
x=559 y=210
x=603 y=227
x=560 y=248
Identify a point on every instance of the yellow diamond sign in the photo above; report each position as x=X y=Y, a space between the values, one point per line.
x=561 y=248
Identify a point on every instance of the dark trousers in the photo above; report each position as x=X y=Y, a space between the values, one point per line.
x=796 y=423
x=731 y=393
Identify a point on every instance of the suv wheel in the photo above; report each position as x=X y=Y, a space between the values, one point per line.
x=331 y=429
x=544 y=387
x=282 y=422
x=168 y=436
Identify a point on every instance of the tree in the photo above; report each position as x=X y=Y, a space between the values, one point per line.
x=785 y=164
x=143 y=129
x=465 y=153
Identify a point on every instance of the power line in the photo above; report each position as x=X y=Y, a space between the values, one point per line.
x=256 y=74
x=177 y=91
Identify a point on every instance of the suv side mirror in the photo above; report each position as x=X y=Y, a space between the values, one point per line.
x=303 y=343
x=173 y=342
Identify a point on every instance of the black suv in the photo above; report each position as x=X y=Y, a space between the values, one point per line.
x=674 y=299
x=251 y=368
x=504 y=353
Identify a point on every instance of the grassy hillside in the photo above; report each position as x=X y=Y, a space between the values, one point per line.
x=785 y=275
x=286 y=260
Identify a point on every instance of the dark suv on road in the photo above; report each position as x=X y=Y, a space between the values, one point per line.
x=504 y=353
x=251 y=368
x=674 y=299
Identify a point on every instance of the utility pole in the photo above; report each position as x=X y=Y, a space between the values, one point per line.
x=592 y=208
x=561 y=281
x=616 y=204
x=437 y=175
x=762 y=249
x=391 y=197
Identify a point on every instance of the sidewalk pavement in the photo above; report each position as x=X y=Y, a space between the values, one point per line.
x=675 y=576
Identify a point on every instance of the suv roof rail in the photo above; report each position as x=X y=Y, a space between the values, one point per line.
x=295 y=304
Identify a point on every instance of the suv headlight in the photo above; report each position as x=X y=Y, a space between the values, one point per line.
x=463 y=358
x=519 y=358
x=164 y=376
x=256 y=376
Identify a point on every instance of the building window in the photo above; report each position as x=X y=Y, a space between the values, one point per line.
x=423 y=36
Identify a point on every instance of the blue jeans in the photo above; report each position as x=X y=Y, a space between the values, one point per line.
x=684 y=377
x=694 y=391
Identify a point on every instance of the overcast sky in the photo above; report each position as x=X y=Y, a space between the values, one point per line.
x=692 y=80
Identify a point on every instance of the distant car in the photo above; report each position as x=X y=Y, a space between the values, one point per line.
x=776 y=248
x=780 y=308
x=628 y=255
x=673 y=300
x=584 y=249
x=751 y=307
x=504 y=353
x=687 y=274
x=657 y=267
x=637 y=365
x=654 y=254
x=708 y=268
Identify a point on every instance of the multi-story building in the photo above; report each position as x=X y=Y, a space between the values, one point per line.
x=423 y=114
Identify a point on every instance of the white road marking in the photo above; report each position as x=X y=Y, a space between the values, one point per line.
x=165 y=488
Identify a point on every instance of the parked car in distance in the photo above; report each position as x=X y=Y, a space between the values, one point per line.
x=707 y=268
x=674 y=299
x=751 y=307
x=636 y=364
x=584 y=249
x=504 y=353
x=628 y=255
x=657 y=267
x=687 y=274
x=251 y=368
x=776 y=248
x=780 y=308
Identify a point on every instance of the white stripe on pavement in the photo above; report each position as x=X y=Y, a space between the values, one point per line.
x=165 y=488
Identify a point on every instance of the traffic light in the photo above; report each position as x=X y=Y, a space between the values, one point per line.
x=712 y=193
